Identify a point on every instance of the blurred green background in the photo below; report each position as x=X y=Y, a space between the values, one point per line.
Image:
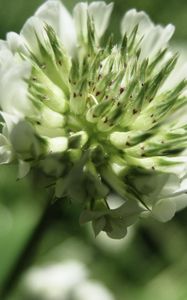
x=14 y=13
x=151 y=263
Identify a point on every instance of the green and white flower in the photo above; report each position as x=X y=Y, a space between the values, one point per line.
x=97 y=117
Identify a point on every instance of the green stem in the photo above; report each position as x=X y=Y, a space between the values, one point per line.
x=29 y=251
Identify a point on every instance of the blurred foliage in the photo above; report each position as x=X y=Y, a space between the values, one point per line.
x=14 y=13
x=20 y=210
x=152 y=262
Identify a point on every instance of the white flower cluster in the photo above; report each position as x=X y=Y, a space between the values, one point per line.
x=97 y=119
x=64 y=281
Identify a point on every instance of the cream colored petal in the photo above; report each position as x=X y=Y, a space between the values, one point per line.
x=80 y=14
x=6 y=58
x=164 y=210
x=32 y=31
x=10 y=122
x=3 y=45
x=56 y=15
x=178 y=74
x=13 y=87
x=23 y=169
x=133 y=18
x=16 y=43
x=6 y=153
x=155 y=39
x=180 y=202
x=99 y=11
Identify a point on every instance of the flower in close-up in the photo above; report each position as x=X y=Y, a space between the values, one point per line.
x=101 y=120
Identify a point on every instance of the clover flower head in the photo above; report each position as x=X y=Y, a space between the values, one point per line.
x=98 y=118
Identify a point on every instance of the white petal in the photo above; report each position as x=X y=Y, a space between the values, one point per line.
x=3 y=140
x=50 y=118
x=49 y=131
x=3 y=45
x=57 y=144
x=6 y=152
x=23 y=169
x=32 y=31
x=13 y=87
x=119 y=139
x=22 y=137
x=80 y=14
x=5 y=155
x=180 y=202
x=16 y=43
x=133 y=18
x=178 y=74
x=10 y=122
x=55 y=14
x=171 y=186
x=92 y=290
x=183 y=185
x=173 y=165
x=156 y=39
x=100 y=12
x=6 y=58
x=164 y=210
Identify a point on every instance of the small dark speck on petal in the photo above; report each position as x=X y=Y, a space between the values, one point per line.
x=134 y=111
x=121 y=90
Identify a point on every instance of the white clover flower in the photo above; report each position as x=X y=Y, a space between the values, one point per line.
x=55 y=281
x=92 y=290
x=97 y=117
x=63 y=281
